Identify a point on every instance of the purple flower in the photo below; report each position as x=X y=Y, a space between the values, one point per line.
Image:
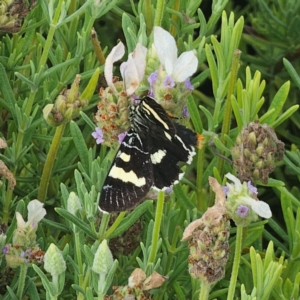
x=252 y=188
x=185 y=112
x=98 y=135
x=22 y=254
x=121 y=137
x=169 y=82
x=225 y=190
x=188 y=84
x=169 y=189
x=5 y=249
x=152 y=79
x=242 y=211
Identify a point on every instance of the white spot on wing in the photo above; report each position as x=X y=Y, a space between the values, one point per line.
x=125 y=157
x=119 y=173
x=157 y=157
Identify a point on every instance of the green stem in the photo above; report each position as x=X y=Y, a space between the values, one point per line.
x=156 y=229
x=204 y=290
x=79 y=258
x=114 y=226
x=148 y=16
x=201 y=205
x=159 y=12
x=50 y=35
x=228 y=108
x=47 y=171
x=236 y=262
x=21 y=280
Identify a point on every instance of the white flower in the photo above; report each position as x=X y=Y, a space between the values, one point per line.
x=243 y=194
x=179 y=68
x=36 y=213
x=132 y=71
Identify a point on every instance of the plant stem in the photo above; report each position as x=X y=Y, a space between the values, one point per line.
x=79 y=258
x=160 y=7
x=156 y=229
x=204 y=290
x=50 y=36
x=21 y=280
x=148 y=16
x=201 y=205
x=236 y=262
x=47 y=171
x=228 y=108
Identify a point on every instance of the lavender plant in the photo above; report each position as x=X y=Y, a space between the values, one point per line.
x=62 y=124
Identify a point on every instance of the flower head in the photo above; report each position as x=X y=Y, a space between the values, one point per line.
x=98 y=135
x=242 y=197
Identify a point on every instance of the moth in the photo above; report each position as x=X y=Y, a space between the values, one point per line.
x=147 y=158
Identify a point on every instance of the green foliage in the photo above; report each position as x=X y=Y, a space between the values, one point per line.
x=62 y=166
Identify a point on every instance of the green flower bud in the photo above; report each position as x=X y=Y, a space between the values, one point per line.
x=54 y=262
x=252 y=138
x=3 y=8
x=103 y=259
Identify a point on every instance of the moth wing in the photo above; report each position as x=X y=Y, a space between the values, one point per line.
x=130 y=177
x=165 y=156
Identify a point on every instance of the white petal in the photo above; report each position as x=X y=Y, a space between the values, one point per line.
x=133 y=70
x=185 y=66
x=236 y=181
x=116 y=54
x=260 y=207
x=130 y=75
x=139 y=57
x=36 y=212
x=166 y=48
x=20 y=221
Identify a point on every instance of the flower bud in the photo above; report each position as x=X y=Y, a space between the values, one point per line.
x=261 y=149
x=54 y=262
x=103 y=259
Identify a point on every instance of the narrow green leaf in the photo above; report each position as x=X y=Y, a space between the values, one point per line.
x=293 y=73
x=46 y=282
x=209 y=118
x=194 y=113
x=237 y=113
x=213 y=68
x=131 y=40
x=277 y=103
x=65 y=214
x=80 y=145
x=285 y=115
x=130 y=219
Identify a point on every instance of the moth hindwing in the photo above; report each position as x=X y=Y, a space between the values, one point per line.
x=148 y=157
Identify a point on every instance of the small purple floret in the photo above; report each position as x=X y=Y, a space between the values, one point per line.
x=98 y=135
x=225 y=190
x=188 y=84
x=185 y=112
x=252 y=188
x=242 y=211
x=121 y=137
x=169 y=82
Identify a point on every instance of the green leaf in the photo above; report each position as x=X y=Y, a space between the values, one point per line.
x=194 y=113
x=130 y=219
x=131 y=39
x=65 y=214
x=46 y=283
x=80 y=145
x=277 y=103
x=285 y=115
x=293 y=73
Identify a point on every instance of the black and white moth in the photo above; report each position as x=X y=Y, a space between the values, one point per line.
x=147 y=158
